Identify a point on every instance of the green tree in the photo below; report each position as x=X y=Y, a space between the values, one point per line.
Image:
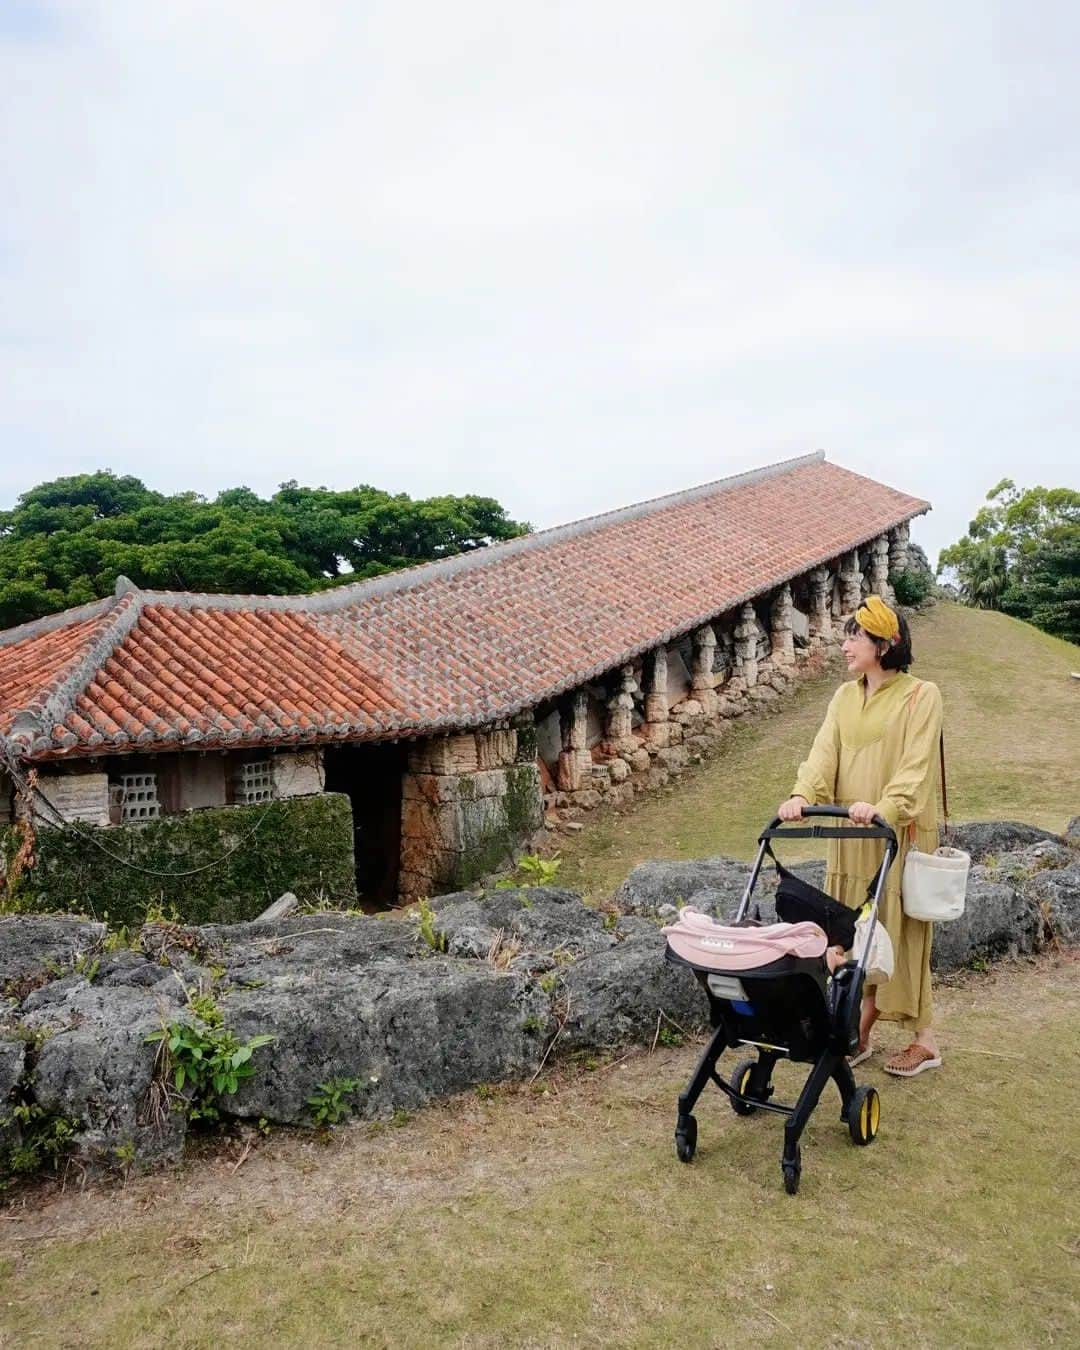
x=1050 y=596
x=65 y=542
x=1020 y=554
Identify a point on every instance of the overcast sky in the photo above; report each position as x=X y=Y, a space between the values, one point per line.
x=567 y=255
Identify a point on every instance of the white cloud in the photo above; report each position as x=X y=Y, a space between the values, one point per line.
x=571 y=255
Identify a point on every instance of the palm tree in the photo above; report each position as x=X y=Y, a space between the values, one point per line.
x=984 y=575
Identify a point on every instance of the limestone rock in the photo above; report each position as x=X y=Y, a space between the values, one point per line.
x=1057 y=895
x=12 y=1059
x=653 y=884
x=616 y=996
x=542 y=918
x=32 y=945
x=985 y=838
x=998 y=920
x=98 y=1067
x=409 y=1031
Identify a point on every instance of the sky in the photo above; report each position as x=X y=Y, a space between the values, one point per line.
x=571 y=256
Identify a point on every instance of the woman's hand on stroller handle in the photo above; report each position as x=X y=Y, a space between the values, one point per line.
x=792 y=809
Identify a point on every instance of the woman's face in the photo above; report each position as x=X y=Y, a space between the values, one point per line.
x=861 y=653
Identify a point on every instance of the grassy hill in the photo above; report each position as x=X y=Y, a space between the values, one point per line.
x=1012 y=742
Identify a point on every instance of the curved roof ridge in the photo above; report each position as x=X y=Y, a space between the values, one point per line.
x=56 y=699
x=349 y=593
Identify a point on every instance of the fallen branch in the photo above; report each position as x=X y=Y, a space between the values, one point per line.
x=551 y=1044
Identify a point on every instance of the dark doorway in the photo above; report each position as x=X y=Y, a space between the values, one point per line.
x=370 y=776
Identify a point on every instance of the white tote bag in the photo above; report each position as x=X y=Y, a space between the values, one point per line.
x=879 y=964
x=934 y=885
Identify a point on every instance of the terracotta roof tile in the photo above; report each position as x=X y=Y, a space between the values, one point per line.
x=455 y=643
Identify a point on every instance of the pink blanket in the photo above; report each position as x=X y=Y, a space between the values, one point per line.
x=704 y=942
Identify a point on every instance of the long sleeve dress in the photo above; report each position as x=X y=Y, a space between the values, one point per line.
x=883 y=750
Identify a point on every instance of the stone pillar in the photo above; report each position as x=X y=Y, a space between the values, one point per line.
x=879 y=568
x=850 y=584
x=780 y=628
x=657 y=726
x=620 y=713
x=746 y=639
x=574 y=761
x=820 y=609
x=704 y=681
x=898 y=547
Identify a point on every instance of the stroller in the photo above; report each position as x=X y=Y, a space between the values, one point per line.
x=765 y=991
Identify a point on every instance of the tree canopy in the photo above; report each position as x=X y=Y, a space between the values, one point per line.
x=1021 y=554
x=66 y=541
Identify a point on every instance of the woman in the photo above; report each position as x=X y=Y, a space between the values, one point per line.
x=876 y=753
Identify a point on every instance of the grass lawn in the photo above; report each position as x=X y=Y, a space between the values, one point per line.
x=1012 y=743
x=558 y=1215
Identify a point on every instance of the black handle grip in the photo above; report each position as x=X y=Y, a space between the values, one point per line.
x=880 y=829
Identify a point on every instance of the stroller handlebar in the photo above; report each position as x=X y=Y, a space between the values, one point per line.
x=880 y=829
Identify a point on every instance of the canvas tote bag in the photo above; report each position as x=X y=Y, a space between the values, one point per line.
x=934 y=885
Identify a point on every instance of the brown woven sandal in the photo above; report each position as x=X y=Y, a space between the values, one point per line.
x=911 y=1061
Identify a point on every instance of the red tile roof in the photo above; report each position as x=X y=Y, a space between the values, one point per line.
x=449 y=644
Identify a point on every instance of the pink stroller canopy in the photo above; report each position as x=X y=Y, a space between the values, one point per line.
x=716 y=946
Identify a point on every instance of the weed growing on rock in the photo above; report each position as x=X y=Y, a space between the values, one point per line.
x=425 y=919
x=330 y=1102
x=204 y=1059
x=532 y=870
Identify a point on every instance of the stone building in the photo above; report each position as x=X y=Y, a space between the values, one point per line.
x=454 y=702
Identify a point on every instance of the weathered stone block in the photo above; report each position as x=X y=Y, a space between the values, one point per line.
x=298 y=773
x=76 y=796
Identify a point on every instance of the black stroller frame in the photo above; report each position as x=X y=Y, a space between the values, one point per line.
x=788 y=1009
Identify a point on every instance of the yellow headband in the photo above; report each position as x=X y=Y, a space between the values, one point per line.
x=876 y=618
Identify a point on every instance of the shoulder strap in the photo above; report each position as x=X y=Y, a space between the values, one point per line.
x=944 y=790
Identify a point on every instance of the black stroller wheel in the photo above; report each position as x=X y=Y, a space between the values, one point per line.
x=686 y=1138
x=793 y=1172
x=740 y=1081
x=864 y=1115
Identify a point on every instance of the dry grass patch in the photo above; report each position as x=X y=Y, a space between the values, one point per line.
x=562 y=1217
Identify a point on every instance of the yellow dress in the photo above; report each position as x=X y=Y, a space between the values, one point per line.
x=882 y=749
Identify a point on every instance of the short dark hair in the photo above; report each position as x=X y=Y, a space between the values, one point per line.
x=896 y=657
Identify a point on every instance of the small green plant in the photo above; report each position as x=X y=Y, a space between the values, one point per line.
x=669 y=1036
x=400 y=1118
x=425 y=919
x=330 y=1102
x=43 y=1140
x=611 y=920
x=533 y=1025
x=204 y=1057
x=87 y=966
x=979 y=962
x=264 y=1127
x=486 y=1092
x=532 y=870
x=157 y=912
x=124 y=1155
x=116 y=939
x=550 y=982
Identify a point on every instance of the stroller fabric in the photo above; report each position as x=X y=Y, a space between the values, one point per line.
x=799 y=902
x=703 y=942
